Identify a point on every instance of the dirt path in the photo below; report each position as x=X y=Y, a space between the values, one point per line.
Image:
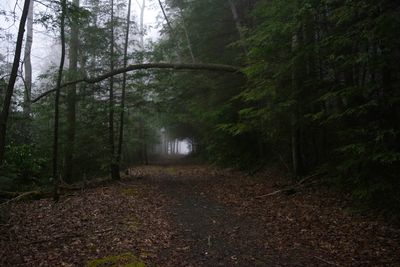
x=192 y=215
x=207 y=233
x=217 y=221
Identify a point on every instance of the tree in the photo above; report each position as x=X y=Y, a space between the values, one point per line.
x=13 y=76
x=71 y=96
x=114 y=169
x=27 y=62
x=57 y=101
x=122 y=112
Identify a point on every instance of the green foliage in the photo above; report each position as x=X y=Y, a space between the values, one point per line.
x=23 y=167
x=322 y=91
x=122 y=260
x=321 y=87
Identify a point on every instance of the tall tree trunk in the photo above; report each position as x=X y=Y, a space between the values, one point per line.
x=142 y=9
x=13 y=77
x=28 y=65
x=171 y=31
x=114 y=170
x=189 y=44
x=297 y=160
x=143 y=143
x=238 y=27
x=122 y=113
x=71 y=99
x=56 y=102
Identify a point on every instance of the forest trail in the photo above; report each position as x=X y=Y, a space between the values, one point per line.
x=173 y=214
x=207 y=233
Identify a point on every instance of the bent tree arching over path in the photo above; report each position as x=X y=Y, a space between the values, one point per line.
x=115 y=168
x=144 y=66
x=298 y=99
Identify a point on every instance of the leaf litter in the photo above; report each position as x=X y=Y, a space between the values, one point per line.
x=195 y=215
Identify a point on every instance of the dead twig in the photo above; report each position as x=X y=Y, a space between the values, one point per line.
x=327 y=262
x=53 y=238
x=293 y=187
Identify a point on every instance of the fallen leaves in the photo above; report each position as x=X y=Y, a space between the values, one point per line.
x=193 y=215
x=89 y=225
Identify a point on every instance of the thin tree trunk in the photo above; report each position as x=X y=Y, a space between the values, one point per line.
x=13 y=77
x=56 y=103
x=238 y=27
x=143 y=143
x=171 y=31
x=113 y=166
x=189 y=44
x=142 y=9
x=122 y=113
x=28 y=64
x=295 y=119
x=71 y=99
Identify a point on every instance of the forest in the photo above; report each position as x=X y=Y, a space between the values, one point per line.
x=185 y=124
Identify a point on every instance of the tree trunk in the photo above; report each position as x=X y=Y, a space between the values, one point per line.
x=122 y=113
x=71 y=100
x=238 y=27
x=28 y=64
x=13 y=77
x=189 y=44
x=114 y=170
x=56 y=103
x=295 y=120
x=171 y=31
x=142 y=9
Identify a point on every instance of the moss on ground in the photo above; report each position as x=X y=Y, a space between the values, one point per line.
x=130 y=191
x=171 y=170
x=122 y=260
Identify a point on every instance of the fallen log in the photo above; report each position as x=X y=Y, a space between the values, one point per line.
x=8 y=195
x=22 y=196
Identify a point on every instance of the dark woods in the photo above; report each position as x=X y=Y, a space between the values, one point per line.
x=321 y=93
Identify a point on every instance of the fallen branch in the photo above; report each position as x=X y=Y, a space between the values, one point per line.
x=291 y=188
x=327 y=262
x=20 y=197
x=7 y=195
x=175 y=66
x=54 y=238
x=65 y=188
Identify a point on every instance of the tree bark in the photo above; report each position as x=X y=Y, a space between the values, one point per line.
x=297 y=161
x=71 y=99
x=238 y=27
x=13 y=77
x=171 y=31
x=56 y=103
x=122 y=113
x=28 y=63
x=142 y=9
x=189 y=44
x=114 y=170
